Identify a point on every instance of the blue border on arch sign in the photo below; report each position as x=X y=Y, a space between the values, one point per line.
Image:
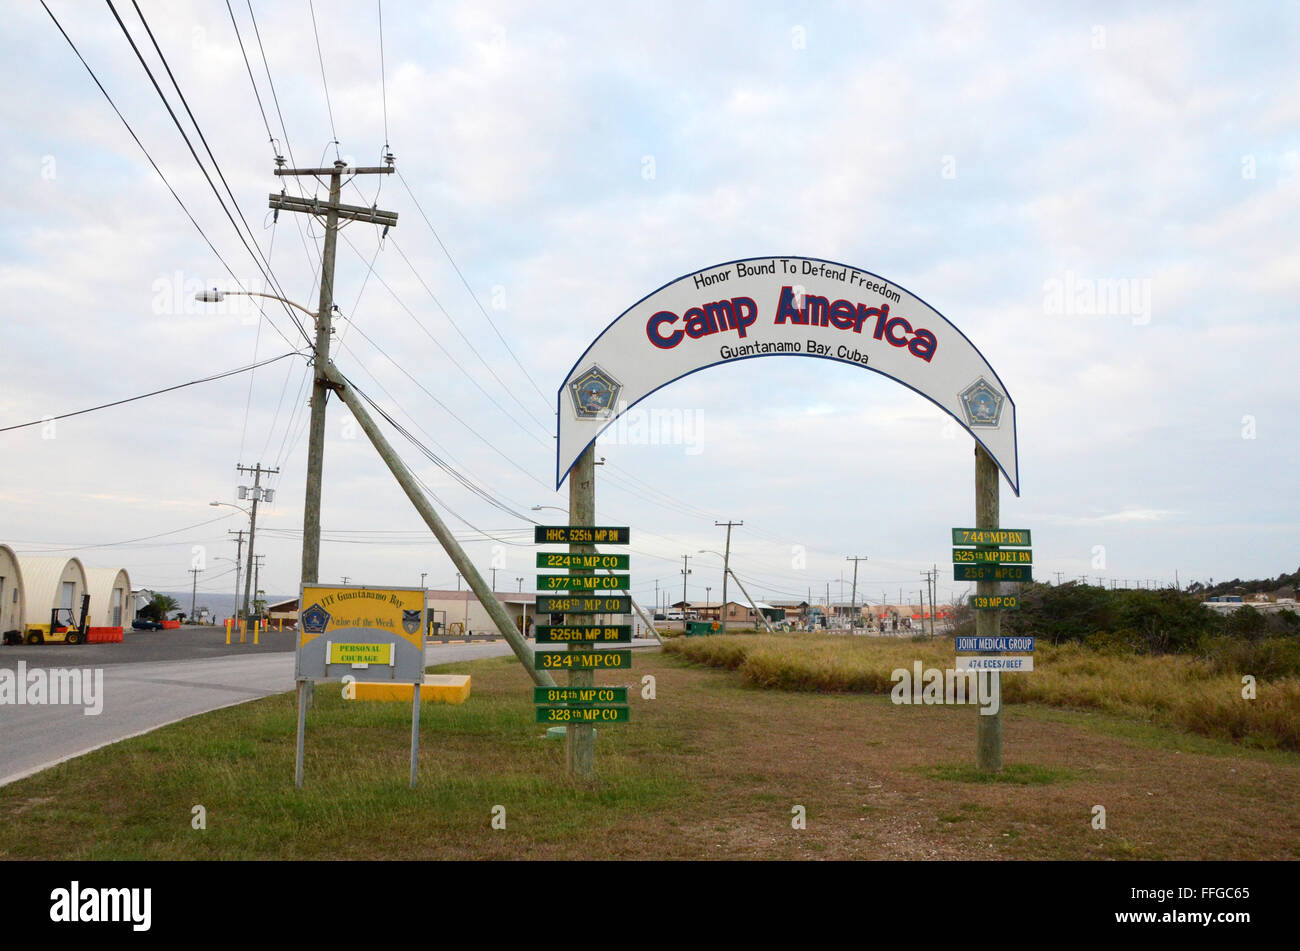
x=559 y=393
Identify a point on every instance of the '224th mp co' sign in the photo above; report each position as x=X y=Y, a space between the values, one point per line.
x=783 y=306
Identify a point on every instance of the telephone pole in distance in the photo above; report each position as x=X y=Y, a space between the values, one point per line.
x=726 y=569
x=853 y=598
x=258 y=494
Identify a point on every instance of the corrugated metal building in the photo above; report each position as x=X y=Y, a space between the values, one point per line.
x=111 y=604
x=51 y=582
x=32 y=585
x=11 y=591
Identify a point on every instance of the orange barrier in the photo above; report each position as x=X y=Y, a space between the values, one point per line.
x=104 y=635
x=171 y=625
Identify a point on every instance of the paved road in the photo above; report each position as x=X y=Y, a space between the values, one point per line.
x=186 y=643
x=142 y=696
x=153 y=679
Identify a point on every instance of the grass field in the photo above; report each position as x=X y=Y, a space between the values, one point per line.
x=1177 y=691
x=712 y=768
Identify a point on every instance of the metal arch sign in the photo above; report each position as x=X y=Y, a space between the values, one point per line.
x=783 y=306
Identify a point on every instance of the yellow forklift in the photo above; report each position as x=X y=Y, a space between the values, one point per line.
x=61 y=628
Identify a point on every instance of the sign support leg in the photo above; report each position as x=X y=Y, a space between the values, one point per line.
x=302 y=730
x=988 y=749
x=415 y=733
x=579 y=738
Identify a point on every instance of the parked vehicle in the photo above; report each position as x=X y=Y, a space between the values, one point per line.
x=144 y=624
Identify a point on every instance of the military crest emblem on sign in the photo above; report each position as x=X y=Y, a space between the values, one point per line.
x=411 y=620
x=594 y=393
x=982 y=404
x=315 y=619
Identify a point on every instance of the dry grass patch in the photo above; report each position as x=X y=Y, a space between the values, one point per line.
x=1182 y=692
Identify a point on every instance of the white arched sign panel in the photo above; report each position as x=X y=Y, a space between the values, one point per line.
x=783 y=306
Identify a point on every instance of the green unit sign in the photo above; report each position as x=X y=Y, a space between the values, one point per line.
x=995 y=602
x=1013 y=537
x=992 y=556
x=563 y=559
x=583 y=604
x=582 y=660
x=580 y=695
x=992 y=573
x=583 y=633
x=580 y=535
x=583 y=582
x=582 y=714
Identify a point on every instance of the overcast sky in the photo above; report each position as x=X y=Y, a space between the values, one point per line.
x=997 y=160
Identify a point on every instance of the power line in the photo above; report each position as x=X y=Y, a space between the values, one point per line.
x=473 y=349
x=454 y=362
x=321 y=58
x=270 y=278
x=425 y=488
x=473 y=487
x=314 y=260
x=447 y=409
x=154 y=164
x=279 y=405
x=288 y=427
x=383 y=80
x=129 y=541
x=409 y=415
x=486 y=316
x=248 y=66
x=132 y=399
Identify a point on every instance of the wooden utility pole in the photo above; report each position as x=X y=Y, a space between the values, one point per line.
x=258 y=493
x=853 y=598
x=726 y=570
x=685 y=571
x=988 y=749
x=257 y=581
x=239 y=556
x=332 y=211
x=194 y=590
x=580 y=738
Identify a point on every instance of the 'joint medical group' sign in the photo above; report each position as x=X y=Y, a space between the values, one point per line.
x=783 y=306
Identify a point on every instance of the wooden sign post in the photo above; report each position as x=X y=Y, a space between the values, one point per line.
x=580 y=738
x=988 y=736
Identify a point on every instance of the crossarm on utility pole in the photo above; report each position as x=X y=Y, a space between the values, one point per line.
x=431 y=518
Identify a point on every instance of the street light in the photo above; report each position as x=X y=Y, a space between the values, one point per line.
x=215 y=296
x=538 y=508
x=232 y=505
